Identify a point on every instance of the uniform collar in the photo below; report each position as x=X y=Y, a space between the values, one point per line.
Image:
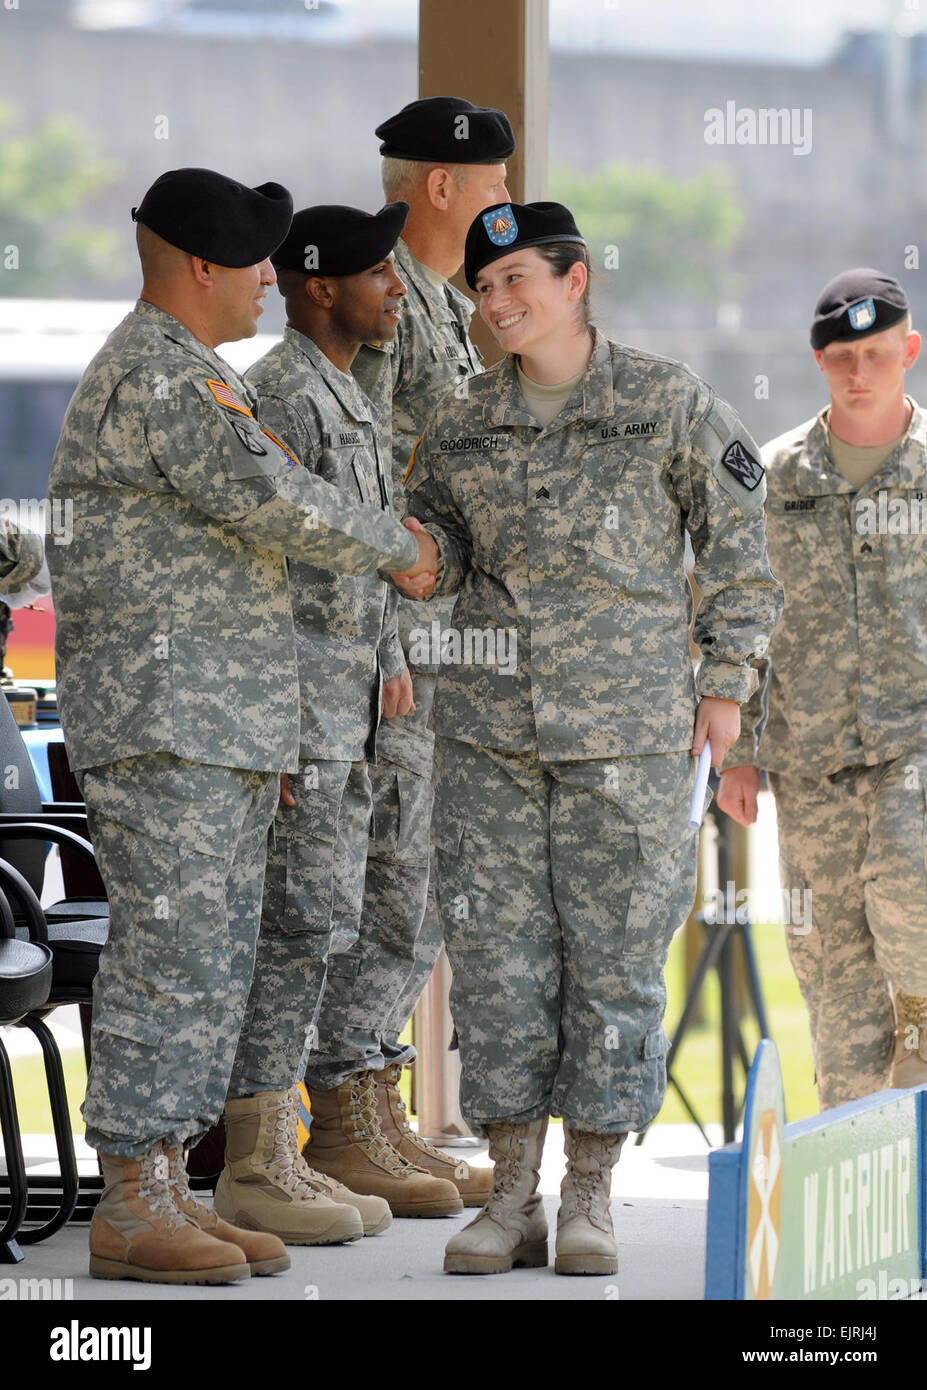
x=441 y=301
x=342 y=386
x=817 y=475
x=593 y=397
x=172 y=328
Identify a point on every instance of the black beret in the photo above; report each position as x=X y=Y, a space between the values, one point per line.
x=855 y=304
x=335 y=240
x=507 y=227
x=447 y=130
x=217 y=218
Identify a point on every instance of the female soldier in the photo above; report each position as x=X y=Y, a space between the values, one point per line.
x=558 y=491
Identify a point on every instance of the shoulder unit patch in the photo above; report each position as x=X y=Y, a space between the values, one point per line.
x=739 y=461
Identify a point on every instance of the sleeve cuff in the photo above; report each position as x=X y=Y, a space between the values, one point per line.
x=437 y=537
x=392 y=661
x=722 y=680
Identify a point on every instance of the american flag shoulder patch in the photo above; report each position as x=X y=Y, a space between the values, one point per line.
x=280 y=445
x=226 y=396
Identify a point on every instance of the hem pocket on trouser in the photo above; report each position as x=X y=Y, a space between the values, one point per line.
x=126 y=1050
x=402 y=810
x=663 y=889
x=304 y=858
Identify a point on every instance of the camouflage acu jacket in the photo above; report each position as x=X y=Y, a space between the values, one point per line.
x=406 y=379
x=174 y=627
x=22 y=555
x=571 y=540
x=345 y=624
x=848 y=663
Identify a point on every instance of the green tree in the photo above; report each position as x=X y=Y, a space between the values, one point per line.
x=668 y=235
x=46 y=177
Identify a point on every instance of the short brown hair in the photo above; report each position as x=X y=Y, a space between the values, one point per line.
x=560 y=255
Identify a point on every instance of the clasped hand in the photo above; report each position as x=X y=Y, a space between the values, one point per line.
x=419 y=581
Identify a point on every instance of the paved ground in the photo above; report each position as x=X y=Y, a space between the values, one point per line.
x=659 y=1201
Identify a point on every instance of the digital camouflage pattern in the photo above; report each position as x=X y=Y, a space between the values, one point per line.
x=179 y=698
x=356 y=1030
x=345 y=630
x=848 y=662
x=564 y=857
x=174 y=626
x=846 y=700
x=374 y=987
x=313 y=891
x=407 y=378
x=570 y=538
x=22 y=554
x=181 y=849
x=560 y=887
x=853 y=845
x=345 y=624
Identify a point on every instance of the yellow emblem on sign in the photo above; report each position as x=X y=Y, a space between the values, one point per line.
x=764 y=1206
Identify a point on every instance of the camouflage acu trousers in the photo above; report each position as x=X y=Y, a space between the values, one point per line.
x=181 y=847
x=858 y=841
x=358 y=1022
x=312 y=903
x=425 y=951
x=560 y=887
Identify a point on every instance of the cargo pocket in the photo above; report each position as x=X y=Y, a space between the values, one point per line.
x=401 y=815
x=133 y=1043
x=310 y=865
x=663 y=889
x=447 y=827
x=652 y=1076
x=453 y=883
x=181 y=895
x=654 y=1044
x=415 y=809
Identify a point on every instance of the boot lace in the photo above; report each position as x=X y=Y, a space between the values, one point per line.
x=392 y=1081
x=156 y=1188
x=286 y=1164
x=588 y=1181
x=180 y=1179
x=508 y=1153
x=363 y=1110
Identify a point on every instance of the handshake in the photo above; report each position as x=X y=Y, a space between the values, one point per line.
x=419 y=581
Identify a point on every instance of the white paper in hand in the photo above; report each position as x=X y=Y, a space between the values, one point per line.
x=697 y=804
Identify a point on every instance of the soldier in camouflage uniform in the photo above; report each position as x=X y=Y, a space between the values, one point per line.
x=445 y=157
x=559 y=492
x=23 y=573
x=179 y=698
x=349 y=651
x=845 y=741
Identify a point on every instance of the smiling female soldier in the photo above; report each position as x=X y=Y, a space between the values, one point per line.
x=558 y=491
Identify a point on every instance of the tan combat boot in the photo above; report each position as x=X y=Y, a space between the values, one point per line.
x=264 y=1187
x=909 y=1065
x=137 y=1231
x=473 y=1184
x=512 y=1228
x=585 y=1237
x=266 y=1254
x=345 y=1142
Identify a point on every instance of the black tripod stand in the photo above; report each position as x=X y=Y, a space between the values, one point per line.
x=718 y=953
